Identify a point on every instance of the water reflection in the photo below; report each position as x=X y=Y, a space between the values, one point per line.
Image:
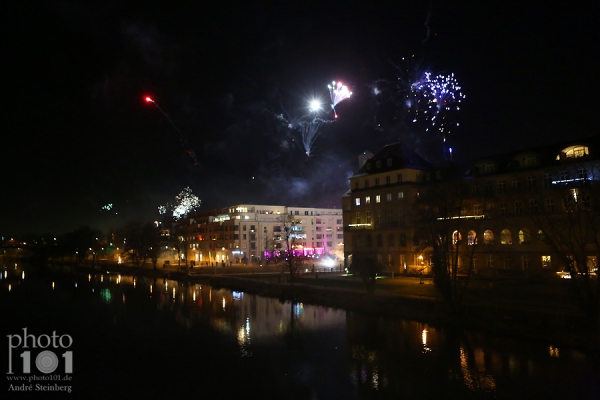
x=327 y=351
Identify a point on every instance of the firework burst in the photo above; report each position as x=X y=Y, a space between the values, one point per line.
x=338 y=93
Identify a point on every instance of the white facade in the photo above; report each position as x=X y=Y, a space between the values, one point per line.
x=250 y=232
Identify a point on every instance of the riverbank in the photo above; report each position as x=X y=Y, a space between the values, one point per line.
x=534 y=312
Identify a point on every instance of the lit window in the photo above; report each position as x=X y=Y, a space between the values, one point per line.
x=389 y=197
x=505 y=237
x=488 y=237
x=368 y=200
x=524 y=236
x=456 y=237
x=378 y=199
x=546 y=262
x=357 y=201
x=400 y=195
x=472 y=238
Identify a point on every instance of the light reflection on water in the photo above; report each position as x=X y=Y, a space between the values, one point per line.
x=324 y=349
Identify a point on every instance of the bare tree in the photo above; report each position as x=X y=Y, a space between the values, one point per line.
x=568 y=223
x=290 y=259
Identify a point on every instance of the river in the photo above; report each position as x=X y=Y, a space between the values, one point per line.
x=107 y=335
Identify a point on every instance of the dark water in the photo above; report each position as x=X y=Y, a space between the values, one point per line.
x=137 y=337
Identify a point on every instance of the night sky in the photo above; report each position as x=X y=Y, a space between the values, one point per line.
x=78 y=135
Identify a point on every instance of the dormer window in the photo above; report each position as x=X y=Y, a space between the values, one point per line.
x=573 y=152
x=378 y=163
x=389 y=162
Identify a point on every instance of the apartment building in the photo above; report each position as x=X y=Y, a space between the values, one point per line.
x=528 y=212
x=247 y=233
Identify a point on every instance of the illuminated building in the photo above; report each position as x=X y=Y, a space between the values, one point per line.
x=504 y=214
x=252 y=233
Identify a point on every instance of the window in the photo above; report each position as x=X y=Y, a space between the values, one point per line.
x=357 y=201
x=388 y=179
x=376 y=181
x=524 y=236
x=550 y=205
x=573 y=152
x=472 y=238
x=356 y=185
x=389 y=216
x=547 y=181
x=505 y=237
x=391 y=240
x=389 y=162
x=378 y=216
x=488 y=237
x=399 y=177
x=501 y=186
x=296 y=212
x=518 y=208
x=244 y=228
x=379 y=240
x=582 y=173
x=358 y=218
x=378 y=163
x=378 y=199
x=546 y=262
x=402 y=239
x=525 y=262
x=388 y=197
x=368 y=200
x=489 y=261
x=456 y=237
x=368 y=217
x=506 y=261
x=477 y=209
x=530 y=182
x=369 y=241
x=533 y=206
x=488 y=168
x=541 y=236
x=503 y=209
x=516 y=184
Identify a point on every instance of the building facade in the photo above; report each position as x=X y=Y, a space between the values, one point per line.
x=247 y=233
x=528 y=212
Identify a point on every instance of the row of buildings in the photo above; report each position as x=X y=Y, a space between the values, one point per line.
x=525 y=212
x=247 y=233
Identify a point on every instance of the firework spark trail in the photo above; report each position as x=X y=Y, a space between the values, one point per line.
x=309 y=131
x=184 y=143
x=338 y=93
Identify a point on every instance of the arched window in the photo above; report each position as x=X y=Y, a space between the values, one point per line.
x=573 y=152
x=524 y=236
x=505 y=237
x=402 y=239
x=369 y=241
x=488 y=237
x=472 y=238
x=391 y=240
x=456 y=237
x=379 y=240
x=541 y=236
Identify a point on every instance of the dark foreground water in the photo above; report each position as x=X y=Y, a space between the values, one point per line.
x=143 y=338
